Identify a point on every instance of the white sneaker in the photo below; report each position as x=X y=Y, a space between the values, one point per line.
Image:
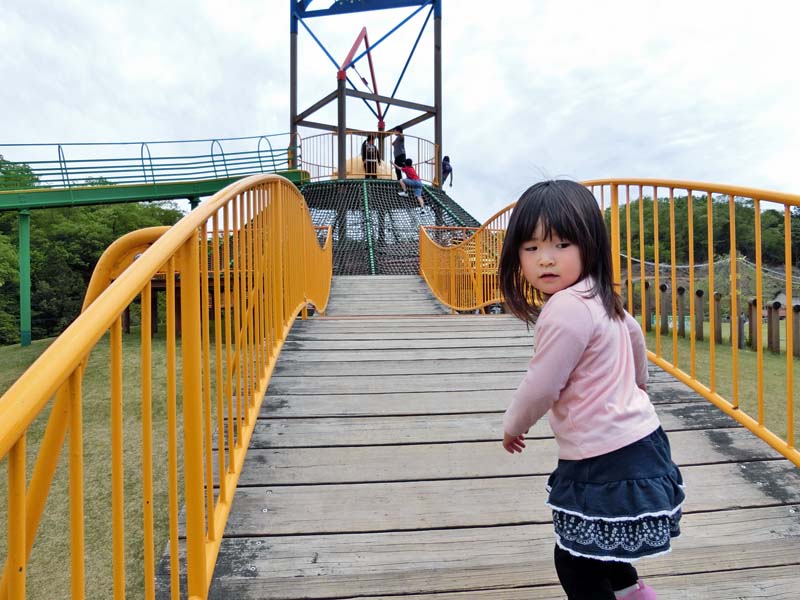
x=403 y=194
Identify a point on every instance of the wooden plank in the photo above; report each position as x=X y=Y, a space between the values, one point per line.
x=349 y=309
x=387 y=403
x=404 y=366
x=475 y=353
x=408 y=383
x=776 y=583
x=409 y=362
x=377 y=302
x=428 y=429
x=419 y=462
x=292 y=404
x=383 y=344
x=435 y=320
x=454 y=330
x=371 y=507
x=473 y=334
x=448 y=560
x=442 y=322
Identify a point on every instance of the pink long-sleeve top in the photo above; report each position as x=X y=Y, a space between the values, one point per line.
x=586 y=370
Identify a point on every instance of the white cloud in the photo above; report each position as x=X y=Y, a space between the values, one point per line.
x=688 y=90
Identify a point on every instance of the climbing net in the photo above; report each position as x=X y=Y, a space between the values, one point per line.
x=375 y=230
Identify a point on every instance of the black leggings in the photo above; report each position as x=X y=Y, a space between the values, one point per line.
x=590 y=579
x=399 y=161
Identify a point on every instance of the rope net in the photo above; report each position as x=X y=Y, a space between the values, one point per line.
x=375 y=230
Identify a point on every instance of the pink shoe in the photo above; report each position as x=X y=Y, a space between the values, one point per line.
x=645 y=592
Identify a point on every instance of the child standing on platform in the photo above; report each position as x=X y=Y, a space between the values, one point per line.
x=399 y=151
x=447 y=171
x=616 y=495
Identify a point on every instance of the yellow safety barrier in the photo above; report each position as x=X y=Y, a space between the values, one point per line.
x=237 y=271
x=656 y=288
x=463 y=273
x=708 y=355
x=318 y=156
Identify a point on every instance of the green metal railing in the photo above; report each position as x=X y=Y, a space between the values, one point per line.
x=137 y=163
x=64 y=175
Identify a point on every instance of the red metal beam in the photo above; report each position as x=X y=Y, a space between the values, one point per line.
x=362 y=36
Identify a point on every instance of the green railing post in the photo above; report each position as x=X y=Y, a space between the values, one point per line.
x=25 y=278
x=368 y=224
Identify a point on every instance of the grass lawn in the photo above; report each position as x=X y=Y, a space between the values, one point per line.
x=774 y=376
x=48 y=574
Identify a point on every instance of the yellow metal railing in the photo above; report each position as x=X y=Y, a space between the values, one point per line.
x=318 y=156
x=236 y=272
x=463 y=273
x=692 y=311
x=710 y=358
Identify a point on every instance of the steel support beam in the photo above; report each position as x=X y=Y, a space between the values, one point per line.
x=389 y=100
x=342 y=128
x=437 y=88
x=25 y=278
x=293 y=139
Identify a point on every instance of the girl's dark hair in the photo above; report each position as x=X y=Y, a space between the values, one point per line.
x=570 y=210
x=409 y=162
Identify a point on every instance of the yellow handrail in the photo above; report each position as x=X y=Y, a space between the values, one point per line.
x=705 y=300
x=464 y=277
x=240 y=268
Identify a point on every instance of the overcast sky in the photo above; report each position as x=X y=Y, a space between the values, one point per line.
x=701 y=90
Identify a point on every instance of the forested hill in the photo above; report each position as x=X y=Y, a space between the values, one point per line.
x=772 y=227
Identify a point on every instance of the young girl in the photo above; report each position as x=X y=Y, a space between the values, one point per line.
x=616 y=495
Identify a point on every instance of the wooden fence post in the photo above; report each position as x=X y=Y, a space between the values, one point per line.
x=699 y=315
x=126 y=319
x=754 y=314
x=774 y=327
x=648 y=310
x=624 y=291
x=718 y=317
x=740 y=330
x=795 y=330
x=681 y=311
x=664 y=312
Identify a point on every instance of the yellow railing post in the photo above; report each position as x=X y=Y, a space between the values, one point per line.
x=196 y=583
x=77 y=541
x=615 y=237
x=453 y=292
x=17 y=559
x=479 y=269
x=117 y=465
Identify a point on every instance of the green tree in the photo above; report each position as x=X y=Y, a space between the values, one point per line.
x=98 y=181
x=16 y=176
x=9 y=284
x=772 y=230
x=65 y=246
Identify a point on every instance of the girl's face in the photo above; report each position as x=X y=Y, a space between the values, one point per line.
x=550 y=265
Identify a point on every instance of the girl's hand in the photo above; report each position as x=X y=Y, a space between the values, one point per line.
x=513 y=443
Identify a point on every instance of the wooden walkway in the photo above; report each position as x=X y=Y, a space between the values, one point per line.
x=376 y=471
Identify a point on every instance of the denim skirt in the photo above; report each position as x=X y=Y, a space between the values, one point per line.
x=621 y=506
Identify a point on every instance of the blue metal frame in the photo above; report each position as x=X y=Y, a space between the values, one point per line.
x=300 y=10
x=300 y=7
